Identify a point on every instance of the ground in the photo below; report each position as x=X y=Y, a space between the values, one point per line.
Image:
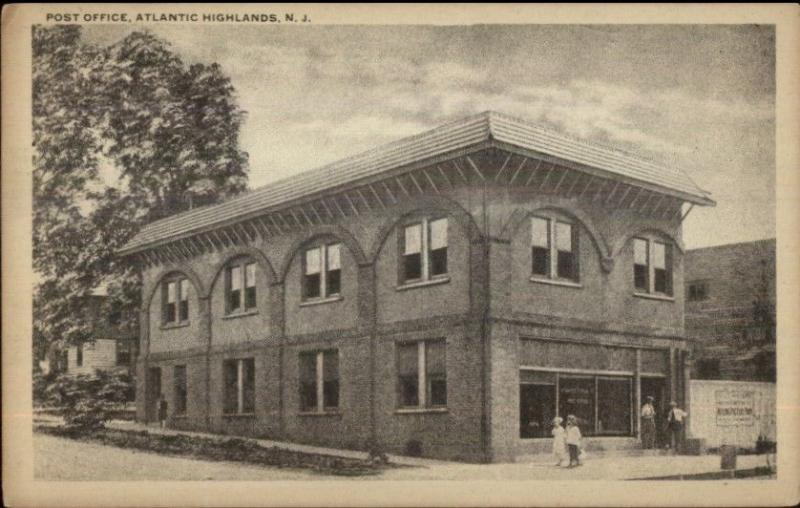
x=63 y=459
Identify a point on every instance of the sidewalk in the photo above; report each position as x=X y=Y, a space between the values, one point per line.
x=596 y=467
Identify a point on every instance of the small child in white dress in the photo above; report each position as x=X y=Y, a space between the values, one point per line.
x=559 y=441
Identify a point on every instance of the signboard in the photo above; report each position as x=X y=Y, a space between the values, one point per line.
x=734 y=408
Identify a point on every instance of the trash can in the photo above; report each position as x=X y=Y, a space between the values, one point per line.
x=727 y=457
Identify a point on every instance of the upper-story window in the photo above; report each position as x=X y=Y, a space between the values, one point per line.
x=175 y=297
x=698 y=291
x=322 y=271
x=554 y=249
x=652 y=266
x=240 y=286
x=424 y=250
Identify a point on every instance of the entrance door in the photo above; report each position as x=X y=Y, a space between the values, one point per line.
x=537 y=404
x=153 y=381
x=656 y=387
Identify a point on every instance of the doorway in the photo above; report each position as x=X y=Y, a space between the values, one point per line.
x=657 y=388
x=153 y=384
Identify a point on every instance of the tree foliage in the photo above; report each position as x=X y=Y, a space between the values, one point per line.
x=87 y=401
x=121 y=135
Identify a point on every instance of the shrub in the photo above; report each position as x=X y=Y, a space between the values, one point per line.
x=87 y=401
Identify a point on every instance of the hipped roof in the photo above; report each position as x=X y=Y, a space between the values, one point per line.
x=481 y=129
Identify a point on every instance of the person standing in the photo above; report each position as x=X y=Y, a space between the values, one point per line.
x=573 y=441
x=162 y=411
x=648 y=424
x=559 y=441
x=675 y=425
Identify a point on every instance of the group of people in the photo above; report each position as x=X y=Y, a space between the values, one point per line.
x=567 y=441
x=674 y=424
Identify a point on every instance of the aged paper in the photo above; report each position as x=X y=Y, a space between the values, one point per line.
x=290 y=126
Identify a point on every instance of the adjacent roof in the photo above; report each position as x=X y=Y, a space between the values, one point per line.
x=458 y=135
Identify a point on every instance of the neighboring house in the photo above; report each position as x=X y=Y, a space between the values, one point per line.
x=103 y=354
x=112 y=347
x=445 y=295
x=730 y=310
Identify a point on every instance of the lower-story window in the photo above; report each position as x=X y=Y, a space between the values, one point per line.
x=319 y=381
x=422 y=374
x=537 y=404
x=180 y=392
x=614 y=406
x=240 y=380
x=576 y=396
x=602 y=405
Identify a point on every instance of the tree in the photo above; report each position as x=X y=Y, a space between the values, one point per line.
x=87 y=401
x=121 y=135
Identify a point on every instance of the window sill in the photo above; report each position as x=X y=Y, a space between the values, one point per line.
x=557 y=282
x=317 y=413
x=419 y=410
x=239 y=415
x=320 y=301
x=650 y=296
x=235 y=315
x=442 y=279
x=171 y=326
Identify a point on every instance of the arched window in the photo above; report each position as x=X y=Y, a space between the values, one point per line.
x=652 y=265
x=175 y=300
x=423 y=250
x=240 y=286
x=322 y=271
x=554 y=248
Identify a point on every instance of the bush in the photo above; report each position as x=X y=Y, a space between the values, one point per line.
x=86 y=402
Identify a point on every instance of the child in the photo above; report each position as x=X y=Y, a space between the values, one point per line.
x=573 y=441
x=559 y=441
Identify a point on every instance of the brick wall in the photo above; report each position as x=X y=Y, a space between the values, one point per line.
x=725 y=331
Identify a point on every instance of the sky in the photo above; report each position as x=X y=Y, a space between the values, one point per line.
x=701 y=97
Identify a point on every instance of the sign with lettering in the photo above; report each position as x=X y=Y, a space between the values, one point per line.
x=734 y=408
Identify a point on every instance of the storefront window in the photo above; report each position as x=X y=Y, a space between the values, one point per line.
x=614 y=406
x=602 y=404
x=537 y=404
x=576 y=397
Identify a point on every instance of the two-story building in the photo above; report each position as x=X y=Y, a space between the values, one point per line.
x=444 y=295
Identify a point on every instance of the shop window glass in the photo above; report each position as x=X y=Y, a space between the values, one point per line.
x=576 y=397
x=537 y=404
x=614 y=406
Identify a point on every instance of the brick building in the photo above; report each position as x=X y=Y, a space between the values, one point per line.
x=446 y=294
x=730 y=311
